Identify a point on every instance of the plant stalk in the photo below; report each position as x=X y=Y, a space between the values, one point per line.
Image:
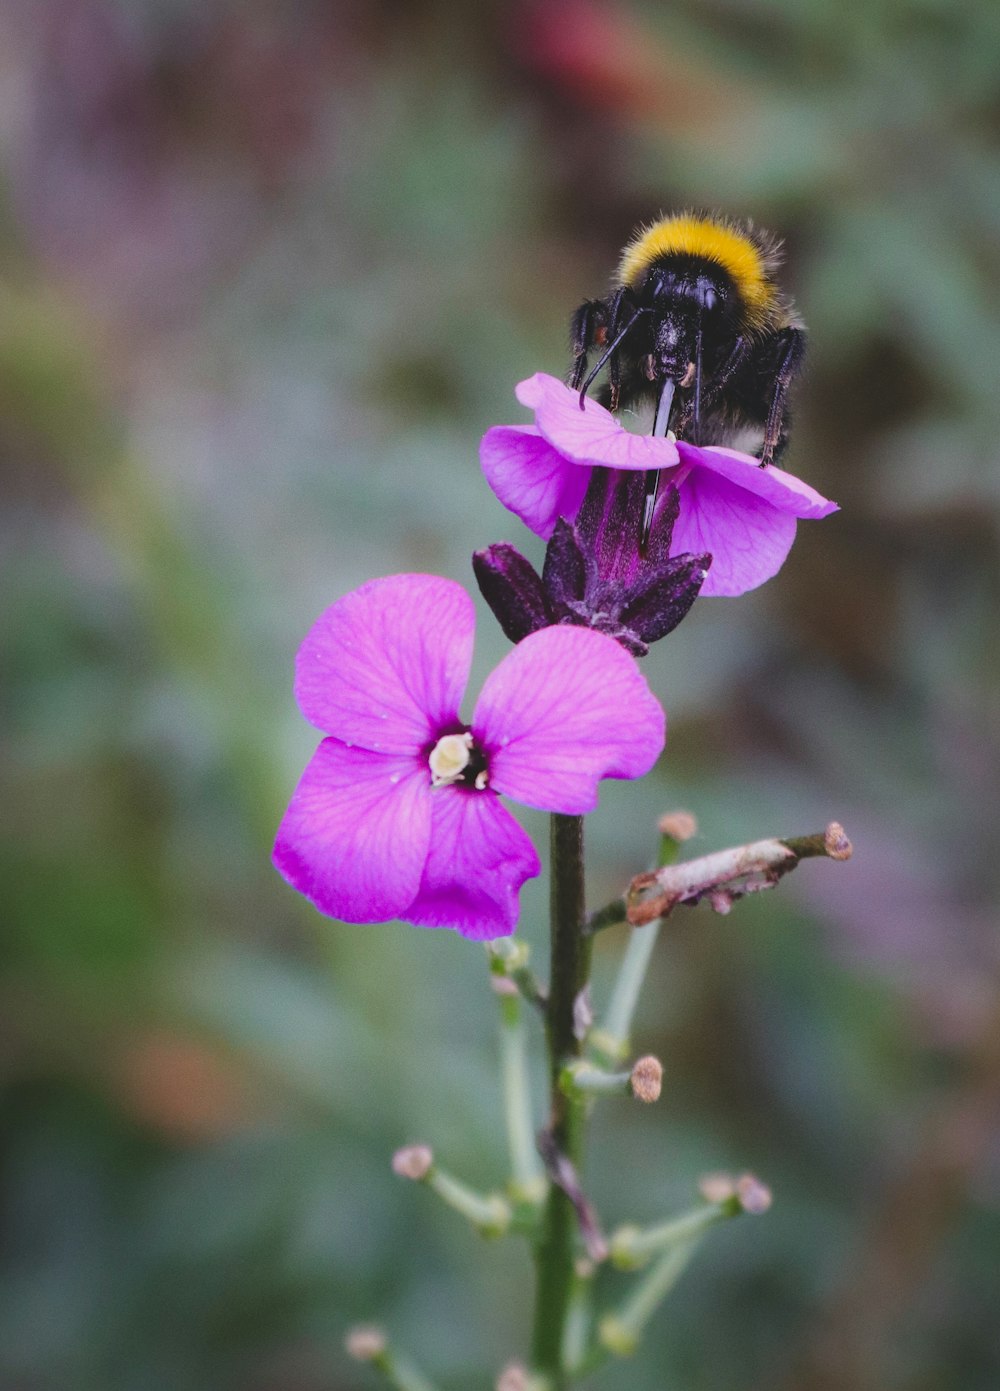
x=569 y=975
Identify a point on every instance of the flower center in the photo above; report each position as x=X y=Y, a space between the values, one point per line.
x=456 y=759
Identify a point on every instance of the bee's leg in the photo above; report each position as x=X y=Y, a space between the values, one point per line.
x=621 y=299
x=588 y=329
x=727 y=369
x=696 y=399
x=611 y=349
x=789 y=350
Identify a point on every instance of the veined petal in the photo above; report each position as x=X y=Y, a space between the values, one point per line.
x=566 y=708
x=782 y=490
x=747 y=536
x=386 y=666
x=479 y=858
x=591 y=435
x=354 y=839
x=531 y=479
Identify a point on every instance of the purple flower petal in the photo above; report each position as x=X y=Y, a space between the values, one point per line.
x=566 y=708
x=355 y=837
x=747 y=537
x=531 y=479
x=783 y=490
x=478 y=860
x=386 y=666
x=591 y=435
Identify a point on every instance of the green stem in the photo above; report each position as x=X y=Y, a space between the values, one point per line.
x=526 y=1171
x=611 y=1040
x=488 y=1212
x=584 y=1078
x=632 y=1247
x=570 y=972
x=620 y=1332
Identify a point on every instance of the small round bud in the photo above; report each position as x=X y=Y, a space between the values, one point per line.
x=678 y=825
x=647 y=1079
x=365 y=1343
x=838 y=847
x=754 y=1196
x=716 y=1188
x=583 y=1268
x=413 y=1161
x=617 y=1337
x=512 y=1378
x=623 y=1256
x=511 y=952
x=503 y=985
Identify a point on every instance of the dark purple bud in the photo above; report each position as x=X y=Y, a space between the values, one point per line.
x=512 y=589
x=655 y=606
x=564 y=574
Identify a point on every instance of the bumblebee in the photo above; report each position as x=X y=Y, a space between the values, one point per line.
x=696 y=327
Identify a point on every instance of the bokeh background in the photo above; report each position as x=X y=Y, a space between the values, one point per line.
x=269 y=269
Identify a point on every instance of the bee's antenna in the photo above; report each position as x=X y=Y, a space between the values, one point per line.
x=612 y=347
x=660 y=424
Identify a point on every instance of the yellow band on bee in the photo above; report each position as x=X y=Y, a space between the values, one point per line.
x=688 y=235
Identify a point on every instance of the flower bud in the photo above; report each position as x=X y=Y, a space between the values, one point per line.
x=647 y=1078
x=838 y=847
x=717 y=1188
x=754 y=1196
x=413 y=1162
x=512 y=1378
x=678 y=825
x=365 y=1342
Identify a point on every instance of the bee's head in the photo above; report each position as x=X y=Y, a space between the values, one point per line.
x=690 y=298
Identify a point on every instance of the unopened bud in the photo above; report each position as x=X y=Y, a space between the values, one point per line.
x=754 y=1196
x=365 y=1343
x=716 y=1188
x=514 y=1377
x=647 y=1079
x=617 y=1337
x=838 y=847
x=504 y=986
x=583 y=1268
x=413 y=1161
x=513 y=953
x=678 y=825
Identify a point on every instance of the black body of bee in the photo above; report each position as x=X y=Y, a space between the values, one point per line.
x=696 y=326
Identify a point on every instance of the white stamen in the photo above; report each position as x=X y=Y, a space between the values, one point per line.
x=481 y=780
x=449 y=758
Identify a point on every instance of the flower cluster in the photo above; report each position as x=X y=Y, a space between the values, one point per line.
x=399 y=813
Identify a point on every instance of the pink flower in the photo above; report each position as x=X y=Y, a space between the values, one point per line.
x=398 y=813
x=740 y=513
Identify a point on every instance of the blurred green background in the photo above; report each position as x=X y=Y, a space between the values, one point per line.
x=269 y=270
